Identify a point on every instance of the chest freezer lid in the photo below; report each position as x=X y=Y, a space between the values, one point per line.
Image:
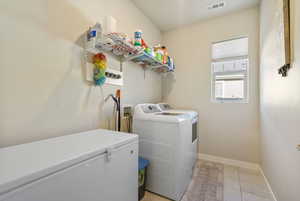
x=25 y=163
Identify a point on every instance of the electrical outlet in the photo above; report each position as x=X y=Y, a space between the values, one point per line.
x=114 y=77
x=127 y=110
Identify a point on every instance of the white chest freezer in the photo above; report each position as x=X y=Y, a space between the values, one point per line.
x=98 y=165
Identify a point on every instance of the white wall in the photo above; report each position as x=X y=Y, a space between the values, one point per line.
x=226 y=130
x=280 y=104
x=42 y=90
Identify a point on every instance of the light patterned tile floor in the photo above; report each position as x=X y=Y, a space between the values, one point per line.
x=153 y=197
x=238 y=185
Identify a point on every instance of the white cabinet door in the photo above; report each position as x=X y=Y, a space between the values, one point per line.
x=97 y=179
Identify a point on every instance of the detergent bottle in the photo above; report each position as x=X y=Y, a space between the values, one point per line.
x=94 y=35
x=165 y=55
x=138 y=38
x=158 y=53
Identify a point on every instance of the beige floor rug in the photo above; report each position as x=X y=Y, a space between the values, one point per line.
x=207 y=183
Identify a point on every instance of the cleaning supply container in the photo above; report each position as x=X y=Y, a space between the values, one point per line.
x=143 y=164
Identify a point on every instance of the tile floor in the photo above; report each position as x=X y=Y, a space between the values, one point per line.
x=238 y=185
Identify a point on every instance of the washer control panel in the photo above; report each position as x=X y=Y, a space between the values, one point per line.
x=151 y=108
x=165 y=106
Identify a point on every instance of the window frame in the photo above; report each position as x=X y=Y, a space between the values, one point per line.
x=245 y=100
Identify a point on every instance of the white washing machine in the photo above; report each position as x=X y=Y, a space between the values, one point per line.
x=165 y=139
x=165 y=107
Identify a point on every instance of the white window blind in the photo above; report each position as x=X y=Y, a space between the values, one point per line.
x=230 y=71
x=230 y=48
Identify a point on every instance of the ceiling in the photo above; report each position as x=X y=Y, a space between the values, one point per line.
x=170 y=14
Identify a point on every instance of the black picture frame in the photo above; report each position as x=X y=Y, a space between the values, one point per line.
x=283 y=70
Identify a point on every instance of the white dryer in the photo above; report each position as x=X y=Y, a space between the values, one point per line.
x=165 y=139
x=165 y=107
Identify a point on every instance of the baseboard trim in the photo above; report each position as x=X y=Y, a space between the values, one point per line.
x=268 y=183
x=237 y=163
x=228 y=161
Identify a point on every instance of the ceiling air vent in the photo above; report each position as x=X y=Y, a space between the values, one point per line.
x=220 y=4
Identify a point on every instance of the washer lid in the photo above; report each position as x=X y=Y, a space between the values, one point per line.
x=190 y=113
x=169 y=113
x=165 y=107
x=161 y=117
x=151 y=112
x=25 y=163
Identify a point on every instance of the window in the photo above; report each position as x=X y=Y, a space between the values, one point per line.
x=230 y=71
